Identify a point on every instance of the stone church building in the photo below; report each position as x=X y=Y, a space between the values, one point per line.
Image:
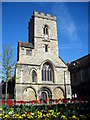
x=40 y=72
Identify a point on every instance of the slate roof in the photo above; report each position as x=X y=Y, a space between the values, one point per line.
x=26 y=44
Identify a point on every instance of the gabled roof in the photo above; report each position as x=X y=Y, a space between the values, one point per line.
x=81 y=62
x=62 y=60
x=84 y=58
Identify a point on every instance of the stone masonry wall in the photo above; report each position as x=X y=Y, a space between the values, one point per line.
x=27 y=63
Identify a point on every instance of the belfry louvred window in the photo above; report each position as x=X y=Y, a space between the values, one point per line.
x=45 y=30
x=47 y=72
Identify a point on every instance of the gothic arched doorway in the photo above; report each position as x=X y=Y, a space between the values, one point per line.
x=45 y=93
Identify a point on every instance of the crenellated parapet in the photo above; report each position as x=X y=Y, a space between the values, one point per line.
x=43 y=15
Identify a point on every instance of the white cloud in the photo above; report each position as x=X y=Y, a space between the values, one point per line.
x=66 y=26
x=66 y=23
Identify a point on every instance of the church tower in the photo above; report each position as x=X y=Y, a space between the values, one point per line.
x=40 y=72
x=43 y=32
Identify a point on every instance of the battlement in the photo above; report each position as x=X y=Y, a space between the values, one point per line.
x=43 y=15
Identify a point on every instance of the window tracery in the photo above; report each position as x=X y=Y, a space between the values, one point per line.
x=47 y=72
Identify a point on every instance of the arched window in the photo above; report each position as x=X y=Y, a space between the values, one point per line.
x=45 y=30
x=34 y=76
x=47 y=72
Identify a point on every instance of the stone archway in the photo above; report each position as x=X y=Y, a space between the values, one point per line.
x=58 y=93
x=45 y=93
x=29 y=94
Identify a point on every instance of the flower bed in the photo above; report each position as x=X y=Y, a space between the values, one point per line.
x=34 y=110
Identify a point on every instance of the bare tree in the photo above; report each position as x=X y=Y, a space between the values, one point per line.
x=7 y=65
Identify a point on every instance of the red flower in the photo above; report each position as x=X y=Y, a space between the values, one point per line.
x=45 y=101
x=66 y=100
x=30 y=101
x=56 y=101
x=34 y=101
x=15 y=103
x=75 y=101
x=3 y=103
x=19 y=101
x=49 y=105
x=24 y=102
x=63 y=100
x=11 y=101
x=71 y=100
x=8 y=102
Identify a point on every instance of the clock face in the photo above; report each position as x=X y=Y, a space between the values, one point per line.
x=46 y=37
